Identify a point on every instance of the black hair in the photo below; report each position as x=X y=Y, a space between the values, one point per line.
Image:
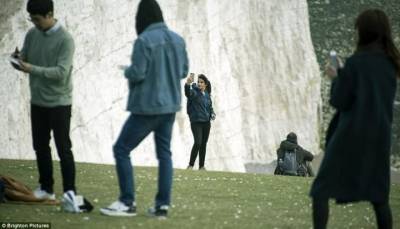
x=207 y=82
x=148 y=12
x=40 y=7
x=374 y=28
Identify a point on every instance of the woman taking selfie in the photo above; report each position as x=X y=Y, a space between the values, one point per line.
x=200 y=111
x=356 y=164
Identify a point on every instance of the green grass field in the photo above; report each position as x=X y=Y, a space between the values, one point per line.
x=201 y=199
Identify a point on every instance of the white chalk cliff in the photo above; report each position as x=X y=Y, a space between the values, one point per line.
x=257 y=54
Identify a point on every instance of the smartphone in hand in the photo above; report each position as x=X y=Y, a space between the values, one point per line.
x=333 y=59
x=16 y=54
x=123 y=67
x=190 y=79
x=15 y=58
x=15 y=62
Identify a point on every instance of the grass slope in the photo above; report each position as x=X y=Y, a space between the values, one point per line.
x=201 y=199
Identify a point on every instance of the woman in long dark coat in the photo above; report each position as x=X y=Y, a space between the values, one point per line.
x=356 y=165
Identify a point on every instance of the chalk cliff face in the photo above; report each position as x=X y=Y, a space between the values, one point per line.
x=257 y=54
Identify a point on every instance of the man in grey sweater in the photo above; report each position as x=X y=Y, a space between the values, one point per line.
x=47 y=57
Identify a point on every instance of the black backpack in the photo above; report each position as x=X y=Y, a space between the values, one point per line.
x=288 y=164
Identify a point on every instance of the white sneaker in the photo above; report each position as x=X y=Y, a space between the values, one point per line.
x=43 y=195
x=70 y=202
x=119 y=209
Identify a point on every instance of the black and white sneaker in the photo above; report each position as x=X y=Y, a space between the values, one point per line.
x=71 y=202
x=119 y=209
x=160 y=212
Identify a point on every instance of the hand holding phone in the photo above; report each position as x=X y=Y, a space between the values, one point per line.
x=16 y=53
x=333 y=65
x=123 y=67
x=14 y=59
x=190 y=79
x=333 y=59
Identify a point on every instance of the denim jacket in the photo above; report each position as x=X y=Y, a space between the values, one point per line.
x=199 y=105
x=159 y=62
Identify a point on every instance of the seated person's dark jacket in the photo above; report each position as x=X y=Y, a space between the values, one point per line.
x=302 y=155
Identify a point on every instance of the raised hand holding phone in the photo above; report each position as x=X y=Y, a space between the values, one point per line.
x=190 y=79
x=333 y=59
x=123 y=67
x=333 y=65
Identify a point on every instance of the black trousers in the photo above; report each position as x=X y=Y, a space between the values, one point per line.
x=57 y=119
x=201 y=131
x=320 y=208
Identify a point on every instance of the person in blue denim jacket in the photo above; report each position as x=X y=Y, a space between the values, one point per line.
x=200 y=111
x=159 y=62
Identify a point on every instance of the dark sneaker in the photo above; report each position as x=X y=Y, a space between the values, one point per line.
x=203 y=168
x=189 y=167
x=160 y=212
x=119 y=209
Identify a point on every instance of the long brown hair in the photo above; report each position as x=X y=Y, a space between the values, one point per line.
x=207 y=82
x=374 y=28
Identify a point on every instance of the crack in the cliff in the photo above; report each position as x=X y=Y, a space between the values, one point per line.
x=99 y=59
x=98 y=115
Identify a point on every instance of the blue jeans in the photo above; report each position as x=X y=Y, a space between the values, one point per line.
x=135 y=129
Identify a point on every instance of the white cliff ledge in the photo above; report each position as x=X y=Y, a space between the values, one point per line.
x=257 y=54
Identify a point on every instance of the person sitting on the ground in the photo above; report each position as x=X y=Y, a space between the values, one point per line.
x=293 y=160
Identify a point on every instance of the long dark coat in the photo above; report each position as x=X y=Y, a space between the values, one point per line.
x=356 y=165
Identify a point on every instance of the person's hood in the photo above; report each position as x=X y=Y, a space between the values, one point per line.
x=292 y=137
